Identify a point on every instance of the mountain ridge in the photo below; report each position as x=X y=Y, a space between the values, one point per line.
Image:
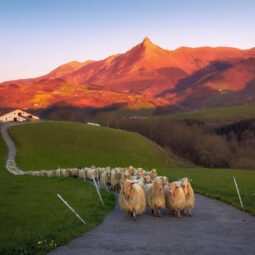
x=144 y=76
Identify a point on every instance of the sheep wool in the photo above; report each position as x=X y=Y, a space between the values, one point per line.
x=155 y=196
x=189 y=195
x=115 y=179
x=81 y=174
x=175 y=198
x=132 y=198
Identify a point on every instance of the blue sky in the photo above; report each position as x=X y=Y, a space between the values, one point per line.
x=37 y=36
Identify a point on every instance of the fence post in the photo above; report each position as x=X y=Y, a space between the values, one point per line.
x=238 y=193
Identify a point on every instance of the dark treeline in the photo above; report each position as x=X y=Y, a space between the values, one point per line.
x=192 y=140
x=237 y=127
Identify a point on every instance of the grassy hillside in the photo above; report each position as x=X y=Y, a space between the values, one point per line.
x=34 y=221
x=233 y=113
x=218 y=183
x=52 y=144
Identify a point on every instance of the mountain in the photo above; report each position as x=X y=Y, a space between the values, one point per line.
x=144 y=76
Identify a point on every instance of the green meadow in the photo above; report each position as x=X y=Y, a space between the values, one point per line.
x=34 y=220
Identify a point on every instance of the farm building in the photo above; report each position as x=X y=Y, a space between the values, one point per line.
x=18 y=115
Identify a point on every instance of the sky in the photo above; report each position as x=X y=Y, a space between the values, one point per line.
x=36 y=36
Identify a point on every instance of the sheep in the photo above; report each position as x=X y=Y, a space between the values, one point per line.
x=132 y=198
x=58 y=172
x=81 y=174
x=115 y=179
x=65 y=173
x=74 y=172
x=189 y=196
x=43 y=173
x=105 y=177
x=153 y=173
x=35 y=173
x=155 y=196
x=147 y=179
x=141 y=172
x=90 y=172
x=164 y=180
x=48 y=173
x=126 y=175
x=131 y=170
x=175 y=198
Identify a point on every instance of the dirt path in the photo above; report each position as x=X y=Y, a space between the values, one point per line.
x=215 y=228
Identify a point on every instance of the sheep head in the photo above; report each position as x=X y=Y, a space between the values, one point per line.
x=153 y=173
x=157 y=185
x=172 y=188
x=164 y=180
x=127 y=187
x=147 y=179
x=118 y=174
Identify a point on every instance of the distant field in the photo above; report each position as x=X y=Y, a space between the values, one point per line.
x=55 y=144
x=233 y=113
x=34 y=221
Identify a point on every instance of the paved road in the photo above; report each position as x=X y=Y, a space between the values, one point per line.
x=214 y=229
x=10 y=145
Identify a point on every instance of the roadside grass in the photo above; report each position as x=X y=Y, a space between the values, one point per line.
x=34 y=221
x=49 y=145
x=219 y=184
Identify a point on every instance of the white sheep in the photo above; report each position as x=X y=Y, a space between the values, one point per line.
x=132 y=198
x=74 y=172
x=153 y=173
x=105 y=177
x=155 y=196
x=189 y=196
x=90 y=172
x=175 y=198
x=115 y=179
x=81 y=174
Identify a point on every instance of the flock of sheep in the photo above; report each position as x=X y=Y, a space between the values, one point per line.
x=138 y=188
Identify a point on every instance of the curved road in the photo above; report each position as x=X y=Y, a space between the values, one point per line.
x=215 y=228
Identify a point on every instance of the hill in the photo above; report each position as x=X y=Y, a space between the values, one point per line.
x=56 y=144
x=145 y=76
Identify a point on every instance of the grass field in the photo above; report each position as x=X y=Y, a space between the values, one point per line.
x=34 y=221
x=233 y=113
x=218 y=183
x=213 y=115
x=70 y=144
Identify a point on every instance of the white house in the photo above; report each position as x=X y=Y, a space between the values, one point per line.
x=18 y=115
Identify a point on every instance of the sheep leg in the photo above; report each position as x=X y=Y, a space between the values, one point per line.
x=134 y=216
x=152 y=211
x=178 y=214
x=190 y=214
x=159 y=212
